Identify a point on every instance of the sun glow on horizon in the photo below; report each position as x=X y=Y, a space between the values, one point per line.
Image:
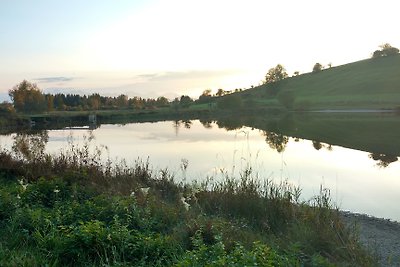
x=235 y=42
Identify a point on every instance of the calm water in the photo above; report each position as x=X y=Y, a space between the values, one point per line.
x=356 y=182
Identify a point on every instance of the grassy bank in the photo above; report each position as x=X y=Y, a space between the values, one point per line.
x=71 y=209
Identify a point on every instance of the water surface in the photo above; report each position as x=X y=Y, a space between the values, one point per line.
x=357 y=182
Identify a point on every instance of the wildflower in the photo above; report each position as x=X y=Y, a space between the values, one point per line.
x=185 y=204
x=24 y=186
x=145 y=190
x=18 y=196
x=56 y=191
x=133 y=194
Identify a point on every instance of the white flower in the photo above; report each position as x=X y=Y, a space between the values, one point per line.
x=56 y=191
x=18 y=196
x=145 y=190
x=185 y=204
x=133 y=194
x=24 y=186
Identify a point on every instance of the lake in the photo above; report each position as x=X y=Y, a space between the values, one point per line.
x=359 y=181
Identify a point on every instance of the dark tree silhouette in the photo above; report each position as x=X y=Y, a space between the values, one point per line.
x=386 y=50
x=317 y=68
x=27 y=97
x=276 y=141
x=276 y=74
x=383 y=159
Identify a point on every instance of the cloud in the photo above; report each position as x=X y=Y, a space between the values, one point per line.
x=55 y=79
x=185 y=75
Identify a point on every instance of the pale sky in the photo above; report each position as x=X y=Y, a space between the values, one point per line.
x=174 y=47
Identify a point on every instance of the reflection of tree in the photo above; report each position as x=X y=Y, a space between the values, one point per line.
x=230 y=124
x=187 y=124
x=317 y=145
x=206 y=124
x=276 y=141
x=30 y=147
x=383 y=159
x=176 y=125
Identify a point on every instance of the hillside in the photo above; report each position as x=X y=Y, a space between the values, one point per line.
x=366 y=84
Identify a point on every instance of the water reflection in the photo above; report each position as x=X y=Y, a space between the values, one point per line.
x=318 y=145
x=199 y=149
x=206 y=123
x=383 y=159
x=276 y=141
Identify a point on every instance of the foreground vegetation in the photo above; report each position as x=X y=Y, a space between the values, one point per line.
x=72 y=209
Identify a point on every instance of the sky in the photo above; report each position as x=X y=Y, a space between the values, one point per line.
x=169 y=48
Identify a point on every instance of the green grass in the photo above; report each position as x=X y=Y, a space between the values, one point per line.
x=73 y=210
x=370 y=84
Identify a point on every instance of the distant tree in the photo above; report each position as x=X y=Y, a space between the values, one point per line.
x=122 y=101
x=162 y=101
x=296 y=73
x=317 y=68
x=220 y=92
x=94 y=101
x=205 y=97
x=50 y=102
x=386 y=50
x=276 y=74
x=206 y=92
x=27 y=97
x=59 y=102
x=377 y=54
x=6 y=109
x=185 y=101
x=136 y=103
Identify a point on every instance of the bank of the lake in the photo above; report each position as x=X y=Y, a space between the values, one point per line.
x=71 y=209
x=380 y=236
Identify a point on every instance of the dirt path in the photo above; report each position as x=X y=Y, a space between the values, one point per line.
x=380 y=236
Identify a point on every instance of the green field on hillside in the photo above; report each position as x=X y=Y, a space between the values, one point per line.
x=366 y=84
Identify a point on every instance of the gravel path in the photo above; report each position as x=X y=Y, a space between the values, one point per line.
x=380 y=236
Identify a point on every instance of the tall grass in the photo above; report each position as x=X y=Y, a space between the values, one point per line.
x=75 y=209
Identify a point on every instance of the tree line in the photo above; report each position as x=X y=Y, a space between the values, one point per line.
x=27 y=97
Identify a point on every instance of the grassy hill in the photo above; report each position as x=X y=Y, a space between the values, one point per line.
x=366 y=84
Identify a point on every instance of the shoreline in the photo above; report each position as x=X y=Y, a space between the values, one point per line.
x=380 y=236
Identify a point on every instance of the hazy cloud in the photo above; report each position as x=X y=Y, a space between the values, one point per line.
x=184 y=75
x=55 y=79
